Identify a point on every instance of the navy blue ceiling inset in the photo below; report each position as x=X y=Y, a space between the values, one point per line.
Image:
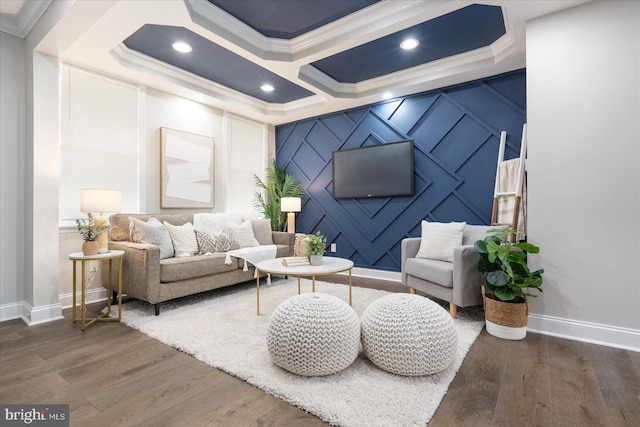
x=286 y=19
x=460 y=31
x=213 y=62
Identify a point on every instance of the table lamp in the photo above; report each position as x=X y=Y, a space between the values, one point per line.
x=93 y=200
x=291 y=205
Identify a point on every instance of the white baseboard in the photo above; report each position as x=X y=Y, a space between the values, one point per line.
x=93 y=295
x=611 y=336
x=48 y=313
x=30 y=315
x=11 y=311
x=370 y=273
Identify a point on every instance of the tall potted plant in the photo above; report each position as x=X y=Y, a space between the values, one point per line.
x=508 y=282
x=277 y=184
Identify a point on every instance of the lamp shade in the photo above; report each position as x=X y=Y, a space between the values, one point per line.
x=290 y=204
x=93 y=200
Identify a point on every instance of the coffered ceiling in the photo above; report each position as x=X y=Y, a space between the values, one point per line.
x=315 y=56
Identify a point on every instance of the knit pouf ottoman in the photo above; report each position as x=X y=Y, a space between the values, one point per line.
x=408 y=335
x=313 y=334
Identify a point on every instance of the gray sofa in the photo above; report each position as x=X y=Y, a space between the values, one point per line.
x=148 y=278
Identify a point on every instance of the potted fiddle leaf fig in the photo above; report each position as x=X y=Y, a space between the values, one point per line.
x=317 y=248
x=508 y=282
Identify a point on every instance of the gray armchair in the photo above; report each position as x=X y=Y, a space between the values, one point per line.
x=458 y=282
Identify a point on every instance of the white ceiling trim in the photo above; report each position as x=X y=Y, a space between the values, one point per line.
x=337 y=36
x=227 y=98
x=21 y=23
x=420 y=74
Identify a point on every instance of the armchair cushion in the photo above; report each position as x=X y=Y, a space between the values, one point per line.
x=440 y=272
x=439 y=239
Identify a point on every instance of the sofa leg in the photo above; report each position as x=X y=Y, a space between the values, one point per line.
x=412 y=291
x=453 y=309
x=114 y=297
x=157 y=308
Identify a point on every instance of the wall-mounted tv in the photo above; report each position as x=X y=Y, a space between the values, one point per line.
x=374 y=171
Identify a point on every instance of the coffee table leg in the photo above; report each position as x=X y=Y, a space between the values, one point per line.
x=298 y=285
x=257 y=292
x=313 y=283
x=350 y=298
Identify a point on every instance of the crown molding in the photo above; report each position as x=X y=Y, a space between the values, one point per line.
x=484 y=56
x=21 y=23
x=219 y=95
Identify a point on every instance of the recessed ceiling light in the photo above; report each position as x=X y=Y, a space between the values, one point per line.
x=409 y=44
x=267 y=88
x=387 y=95
x=181 y=47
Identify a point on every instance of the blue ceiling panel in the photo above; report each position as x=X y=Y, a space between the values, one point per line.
x=213 y=62
x=460 y=31
x=287 y=19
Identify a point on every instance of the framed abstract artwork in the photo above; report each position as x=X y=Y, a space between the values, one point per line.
x=186 y=170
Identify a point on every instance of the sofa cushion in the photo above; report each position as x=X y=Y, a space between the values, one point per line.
x=262 y=231
x=244 y=235
x=151 y=232
x=439 y=272
x=119 y=231
x=175 y=269
x=183 y=238
x=219 y=243
x=439 y=239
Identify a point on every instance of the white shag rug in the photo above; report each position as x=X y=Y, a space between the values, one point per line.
x=221 y=328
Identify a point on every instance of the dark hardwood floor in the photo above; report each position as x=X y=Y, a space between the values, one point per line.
x=112 y=375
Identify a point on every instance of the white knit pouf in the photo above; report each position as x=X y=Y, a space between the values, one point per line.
x=408 y=335
x=313 y=334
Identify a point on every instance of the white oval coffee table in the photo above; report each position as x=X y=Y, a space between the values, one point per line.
x=330 y=265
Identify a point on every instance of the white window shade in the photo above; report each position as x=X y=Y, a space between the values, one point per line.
x=246 y=148
x=99 y=145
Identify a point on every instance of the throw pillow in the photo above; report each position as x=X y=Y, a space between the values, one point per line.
x=243 y=234
x=439 y=239
x=219 y=243
x=151 y=232
x=262 y=231
x=183 y=238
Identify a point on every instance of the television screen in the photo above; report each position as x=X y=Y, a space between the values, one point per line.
x=375 y=171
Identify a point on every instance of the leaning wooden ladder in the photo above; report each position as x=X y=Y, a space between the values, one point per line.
x=517 y=194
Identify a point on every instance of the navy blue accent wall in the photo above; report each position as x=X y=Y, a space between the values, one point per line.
x=456 y=131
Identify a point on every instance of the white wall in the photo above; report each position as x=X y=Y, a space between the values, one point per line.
x=583 y=113
x=12 y=137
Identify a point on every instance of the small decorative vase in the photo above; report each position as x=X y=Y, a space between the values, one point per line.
x=301 y=247
x=315 y=259
x=90 y=248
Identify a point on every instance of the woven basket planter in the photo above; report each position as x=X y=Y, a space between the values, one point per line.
x=507 y=320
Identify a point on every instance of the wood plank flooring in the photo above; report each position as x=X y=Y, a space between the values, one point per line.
x=111 y=375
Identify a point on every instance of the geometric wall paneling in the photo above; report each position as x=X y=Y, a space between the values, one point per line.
x=456 y=132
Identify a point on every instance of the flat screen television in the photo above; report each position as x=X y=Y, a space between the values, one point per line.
x=375 y=171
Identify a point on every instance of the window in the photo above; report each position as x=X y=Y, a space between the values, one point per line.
x=246 y=146
x=99 y=145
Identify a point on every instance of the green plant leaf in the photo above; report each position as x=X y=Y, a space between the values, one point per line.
x=480 y=246
x=505 y=294
x=527 y=247
x=498 y=278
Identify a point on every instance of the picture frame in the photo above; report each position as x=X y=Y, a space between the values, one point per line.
x=187 y=170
